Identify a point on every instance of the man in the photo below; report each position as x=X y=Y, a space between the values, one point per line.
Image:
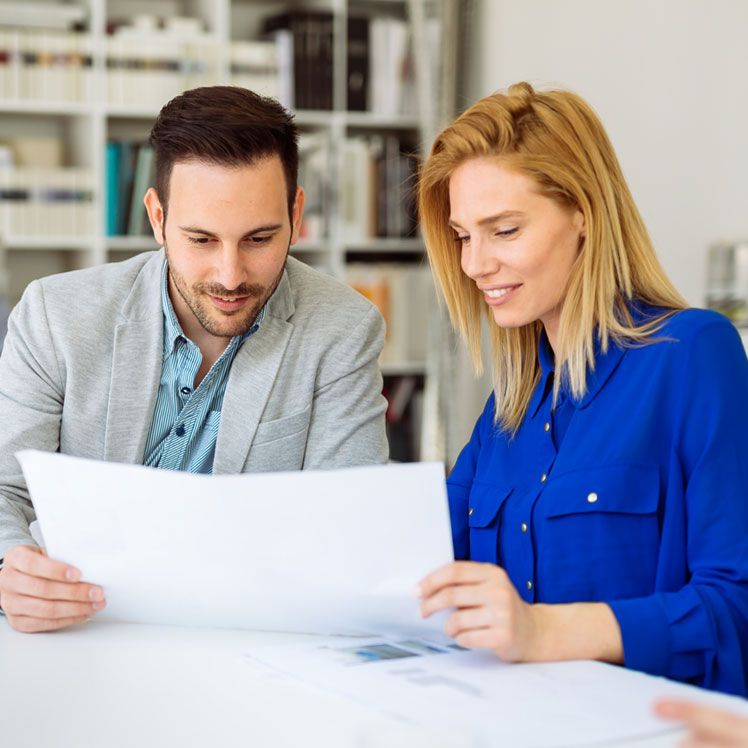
x=217 y=354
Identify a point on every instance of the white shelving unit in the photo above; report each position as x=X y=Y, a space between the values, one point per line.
x=87 y=125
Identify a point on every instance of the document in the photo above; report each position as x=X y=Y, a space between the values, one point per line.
x=329 y=552
x=492 y=703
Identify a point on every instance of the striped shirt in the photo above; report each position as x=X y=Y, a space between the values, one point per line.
x=185 y=422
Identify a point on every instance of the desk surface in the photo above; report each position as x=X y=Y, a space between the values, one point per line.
x=106 y=685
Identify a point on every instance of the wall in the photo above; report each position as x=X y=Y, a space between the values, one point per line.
x=669 y=79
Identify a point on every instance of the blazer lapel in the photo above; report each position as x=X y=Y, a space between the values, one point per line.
x=253 y=374
x=136 y=368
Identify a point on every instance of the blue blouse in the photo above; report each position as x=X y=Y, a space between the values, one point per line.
x=636 y=495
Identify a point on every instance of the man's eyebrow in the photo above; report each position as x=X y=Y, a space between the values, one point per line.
x=492 y=219
x=258 y=230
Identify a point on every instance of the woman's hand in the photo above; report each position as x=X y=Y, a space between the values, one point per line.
x=490 y=614
x=709 y=727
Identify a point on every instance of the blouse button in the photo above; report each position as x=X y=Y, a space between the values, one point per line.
x=543 y=478
x=470 y=512
x=592 y=497
x=529 y=585
x=523 y=527
x=546 y=427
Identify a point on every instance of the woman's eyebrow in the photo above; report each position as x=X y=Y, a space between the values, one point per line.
x=492 y=219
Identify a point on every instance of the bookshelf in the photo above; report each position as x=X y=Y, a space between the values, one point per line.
x=82 y=81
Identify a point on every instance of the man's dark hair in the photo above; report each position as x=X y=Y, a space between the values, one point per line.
x=224 y=125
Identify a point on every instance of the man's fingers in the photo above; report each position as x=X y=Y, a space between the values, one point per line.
x=34 y=607
x=16 y=582
x=29 y=625
x=32 y=561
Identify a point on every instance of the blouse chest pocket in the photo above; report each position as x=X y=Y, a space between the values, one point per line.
x=620 y=489
x=599 y=531
x=485 y=505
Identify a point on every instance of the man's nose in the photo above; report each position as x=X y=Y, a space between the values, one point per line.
x=230 y=271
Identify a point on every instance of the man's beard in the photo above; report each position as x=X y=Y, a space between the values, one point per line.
x=220 y=323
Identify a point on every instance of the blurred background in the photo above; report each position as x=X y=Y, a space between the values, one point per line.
x=371 y=83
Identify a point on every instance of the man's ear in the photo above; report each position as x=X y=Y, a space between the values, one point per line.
x=155 y=214
x=296 y=214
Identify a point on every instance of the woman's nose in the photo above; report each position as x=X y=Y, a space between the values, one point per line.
x=476 y=259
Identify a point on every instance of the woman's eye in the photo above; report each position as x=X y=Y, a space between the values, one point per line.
x=507 y=232
x=462 y=239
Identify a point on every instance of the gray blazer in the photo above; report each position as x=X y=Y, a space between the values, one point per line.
x=80 y=370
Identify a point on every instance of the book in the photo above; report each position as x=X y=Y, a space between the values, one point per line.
x=312 y=33
x=314 y=177
x=125 y=175
x=45 y=65
x=255 y=65
x=357 y=89
x=137 y=223
x=36 y=201
x=112 y=160
x=405 y=296
x=46 y=15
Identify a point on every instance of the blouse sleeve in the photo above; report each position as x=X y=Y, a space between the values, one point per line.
x=700 y=632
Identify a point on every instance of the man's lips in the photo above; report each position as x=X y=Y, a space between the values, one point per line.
x=228 y=304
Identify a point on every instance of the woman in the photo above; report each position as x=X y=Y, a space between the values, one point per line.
x=600 y=509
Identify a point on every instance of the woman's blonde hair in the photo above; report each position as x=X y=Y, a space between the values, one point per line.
x=555 y=138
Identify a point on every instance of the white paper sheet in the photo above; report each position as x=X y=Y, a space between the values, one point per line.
x=476 y=695
x=315 y=551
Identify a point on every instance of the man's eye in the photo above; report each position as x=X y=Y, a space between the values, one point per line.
x=200 y=240
x=259 y=239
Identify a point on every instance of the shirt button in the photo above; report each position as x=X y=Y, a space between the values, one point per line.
x=529 y=585
x=185 y=390
x=544 y=477
x=547 y=426
x=470 y=512
x=180 y=430
x=523 y=527
x=592 y=497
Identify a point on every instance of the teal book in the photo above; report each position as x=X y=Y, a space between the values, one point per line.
x=124 y=184
x=112 y=183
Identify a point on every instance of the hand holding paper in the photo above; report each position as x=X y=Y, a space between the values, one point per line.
x=40 y=594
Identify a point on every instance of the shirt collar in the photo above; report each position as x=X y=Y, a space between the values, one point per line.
x=547 y=368
x=172 y=328
x=605 y=365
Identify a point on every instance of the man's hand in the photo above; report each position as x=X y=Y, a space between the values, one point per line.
x=39 y=594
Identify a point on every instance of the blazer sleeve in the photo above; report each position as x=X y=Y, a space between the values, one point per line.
x=699 y=633
x=31 y=401
x=347 y=425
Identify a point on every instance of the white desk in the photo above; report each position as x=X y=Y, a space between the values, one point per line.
x=106 y=685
